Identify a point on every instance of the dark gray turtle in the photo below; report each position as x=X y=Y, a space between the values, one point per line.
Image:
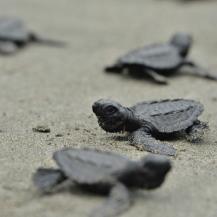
x=104 y=173
x=14 y=35
x=160 y=60
x=148 y=121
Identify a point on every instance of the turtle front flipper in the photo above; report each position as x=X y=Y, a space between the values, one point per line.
x=143 y=140
x=46 y=179
x=160 y=79
x=116 y=68
x=197 y=70
x=45 y=41
x=7 y=48
x=118 y=202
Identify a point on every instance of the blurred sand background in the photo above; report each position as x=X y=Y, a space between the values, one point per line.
x=57 y=86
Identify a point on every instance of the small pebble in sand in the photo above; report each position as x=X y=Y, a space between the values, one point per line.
x=77 y=128
x=41 y=129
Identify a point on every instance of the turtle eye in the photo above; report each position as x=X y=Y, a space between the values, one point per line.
x=111 y=109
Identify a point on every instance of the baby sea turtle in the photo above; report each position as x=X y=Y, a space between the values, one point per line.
x=148 y=121
x=14 y=35
x=104 y=173
x=160 y=60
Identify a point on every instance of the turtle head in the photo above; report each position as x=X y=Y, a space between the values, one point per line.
x=183 y=42
x=111 y=115
x=148 y=173
x=155 y=169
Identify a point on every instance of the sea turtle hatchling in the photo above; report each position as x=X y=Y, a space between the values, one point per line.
x=160 y=60
x=104 y=173
x=15 y=35
x=151 y=120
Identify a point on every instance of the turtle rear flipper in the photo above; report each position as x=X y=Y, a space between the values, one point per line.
x=47 y=179
x=118 y=202
x=144 y=141
x=195 y=133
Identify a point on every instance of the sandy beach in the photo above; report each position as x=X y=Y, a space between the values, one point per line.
x=43 y=85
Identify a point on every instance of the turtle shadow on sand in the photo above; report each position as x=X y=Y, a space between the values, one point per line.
x=126 y=137
x=120 y=138
x=139 y=76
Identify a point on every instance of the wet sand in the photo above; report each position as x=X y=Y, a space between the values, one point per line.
x=57 y=86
